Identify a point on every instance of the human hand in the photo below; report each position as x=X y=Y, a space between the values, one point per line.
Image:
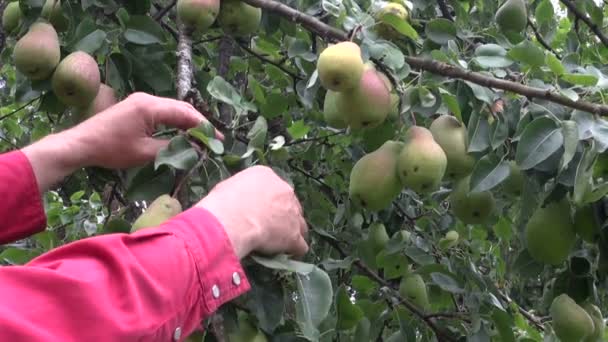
x=260 y=212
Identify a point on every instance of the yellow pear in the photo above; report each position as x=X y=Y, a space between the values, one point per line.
x=385 y=30
x=586 y=224
x=374 y=183
x=452 y=136
x=550 y=233
x=53 y=12
x=239 y=18
x=598 y=323
x=512 y=16
x=37 y=53
x=340 y=66
x=367 y=105
x=11 y=17
x=570 y=322
x=106 y=98
x=412 y=287
x=160 y=210
x=469 y=207
x=77 y=80
x=422 y=162
x=332 y=116
x=198 y=15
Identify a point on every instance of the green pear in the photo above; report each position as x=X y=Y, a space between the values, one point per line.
x=586 y=224
x=11 y=17
x=469 y=207
x=198 y=15
x=412 y=287
x=37 y=53
x=384 y=29
x=374 y=182
x=378 y=237
x=450 y=240
x=571 y=322
x=512 y=16
x=340 y=66
x=332 y=116
x=550 y=233
x=239 y=18
x=422 y=162
x=367 y=105
x=514 y=183
x=452 y=136
x=77 y=80
x=53 y=12
x=160 y=210
x=106 y=98
x=598 y=323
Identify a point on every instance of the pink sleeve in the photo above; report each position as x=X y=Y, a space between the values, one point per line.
x=21 y=212
x=153 y=285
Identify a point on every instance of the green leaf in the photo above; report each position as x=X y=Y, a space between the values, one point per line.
x=144 y=30
x=479 y=133
x=178 y=154
x=298 y=129
x=555 y=64
x=580 y=79
x=257 y=133
x=399 y=25
x=148 y=183
x=282 y=262
x=315 y=296
x=544 y=12
x=584 y=175
x=488 y=172
x=570 y=132
x=91 y=42
x=446 y=283
x=348 y=313
x=225 y=92
x=440 y=30
x=492 y=56
x=499 y=132
x=529 y=53
x=274 y=105
x=539 y=140
x=17 y=256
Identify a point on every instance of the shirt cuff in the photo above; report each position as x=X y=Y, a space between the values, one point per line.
x=220 y=273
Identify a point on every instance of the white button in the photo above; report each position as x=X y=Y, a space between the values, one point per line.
x=216 y=291
x=236 y=278
x=177 y=334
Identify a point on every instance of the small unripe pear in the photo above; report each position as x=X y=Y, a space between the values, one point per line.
x=469 y=207
x=331 y=114
x=37 y=53
x=160 y=210
x=76 y=80
x=570 y=321
x=239 y=18
x=385 y=30
x=514 y=183
x=452 y=136
x=412 y=287
x=512 y=16
x=11 y=17
x=598 y=322
x=450 y=240
x=197 y=14
x=422 y=162
x=378 y=237
x=340 y=66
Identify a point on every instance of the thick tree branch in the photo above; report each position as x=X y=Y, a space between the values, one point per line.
x=445 y=10
x=582 y=16
x=541 y=40
x=432 y=66
x=184 y=63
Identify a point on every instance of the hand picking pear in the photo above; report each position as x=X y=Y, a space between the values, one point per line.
x=37 y=53
x=367 y=105
x=160 y=210
x=385 y=30
x=570 y=322
x=340 y=66
x=53 y=12
x=550 y=234
x=76 y=80
x=512 y=16
x=106 y=98
x=412 y=287
x=598 y=323
x=198 y=14
x=471 y=208
x=452 y=136
x=333 y=117
x=422 y=162
x=11 y=17
x=373 y=180
x=239 y=18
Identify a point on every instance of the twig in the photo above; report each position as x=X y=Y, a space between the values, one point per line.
x=435 y=67
x=18 y=109
x=208 y=40
x=582 y=16
x=525 y=313
x=190 y=172
x=445 y=10
x=300 y=141
x=262 y=58
x=160 y=14
x=541 y=40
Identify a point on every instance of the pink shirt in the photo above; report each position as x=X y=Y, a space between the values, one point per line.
x=153 y=285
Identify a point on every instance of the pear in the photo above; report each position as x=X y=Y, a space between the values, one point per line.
x=412 y=287
x=160 y=210
x=340 y=66
x=373 y=179
x=385 y=30
x=37 y=53
x=571 y=322
x=512 y=16
x=11 y=17
x=239 y=18
x=598 y=322
x=586 y=224
x=550 y=233
x=452 y=136
x=53 y=12
x=106 y=98
x=514 y=183
x=198 y=14
x=332 y=116
x=471 y=208
x=450 y=240
x=422 y=162
x=378 y=237
x=76 y=80
x=367 y=105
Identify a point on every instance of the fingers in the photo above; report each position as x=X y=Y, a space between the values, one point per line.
x=300 y=248
x=177 y=114
x=151 y=146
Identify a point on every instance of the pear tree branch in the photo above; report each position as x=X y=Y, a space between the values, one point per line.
x=445 y=10
x=584 y=18
x=439 y=68
x=184 y=63
x=542 y=40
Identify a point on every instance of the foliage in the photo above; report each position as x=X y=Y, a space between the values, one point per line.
x=263 y=92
